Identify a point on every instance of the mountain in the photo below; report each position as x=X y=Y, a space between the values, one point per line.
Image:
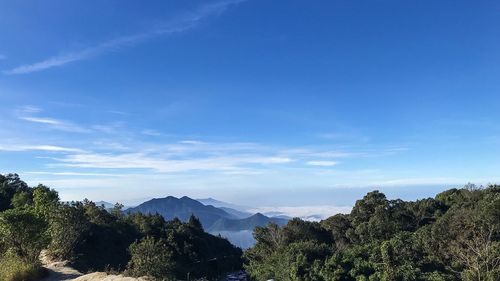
x=225 y=224
x=109 y=206
x=277 y=215
x=219 y=204
x=236 y=225
x=171 y=207
x=235 y=213
x=233 y=209
x=106 y=205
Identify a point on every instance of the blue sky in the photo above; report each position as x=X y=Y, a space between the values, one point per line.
x=314 y=101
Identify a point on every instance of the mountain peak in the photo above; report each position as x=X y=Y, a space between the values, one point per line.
x=259 y=215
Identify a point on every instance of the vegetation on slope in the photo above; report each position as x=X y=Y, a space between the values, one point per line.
x=94 y=239
x=455 y=236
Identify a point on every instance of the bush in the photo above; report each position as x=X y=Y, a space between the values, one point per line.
x=151 y=257
x=24 y=233
x=12 y=268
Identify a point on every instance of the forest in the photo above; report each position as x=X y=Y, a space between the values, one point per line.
x=95 y=239
x=454 y=236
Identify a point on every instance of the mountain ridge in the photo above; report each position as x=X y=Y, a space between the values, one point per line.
x=253 y=221
x=212 y=218
x=171 y=207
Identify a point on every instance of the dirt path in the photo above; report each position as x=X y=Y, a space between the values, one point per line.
x=101 y=276
x=60 y=271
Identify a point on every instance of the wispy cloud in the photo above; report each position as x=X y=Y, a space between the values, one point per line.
x=149 y=132
x=49 y=148
x=108 y=128
x=427 y=181
x=322 y=163
x=179 y=24
x=70 y=174
x=3 y=57
x=49 y=121
x=117 y=112
x=29 y=109
x=166 y=165
x=56 y=124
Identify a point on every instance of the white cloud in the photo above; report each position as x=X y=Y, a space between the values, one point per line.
x=118 y=112
x=110 y=145
x=42 y=120
x=75 y=174
x=149 y=132
x=29 y=109
x=49 y=148
x=176 y=25
x=56 y=124
x=165 y=165
x=316 y=212
x=322 y=163
x=425 y=181
x=194 y=142
x=109 y=128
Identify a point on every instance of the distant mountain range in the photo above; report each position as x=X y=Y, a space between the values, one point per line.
x=224 y=224
x=108 y=205
x=212 y=218
x=221 y=204
x=105 y=204
x=233 y=209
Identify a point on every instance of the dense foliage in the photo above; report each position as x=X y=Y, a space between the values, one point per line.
x=92 y=238
x=455 y=236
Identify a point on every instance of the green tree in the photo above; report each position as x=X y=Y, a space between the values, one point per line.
x=151 y=257
x=10 y=184
x=339 y=225
x=45 y=200
x=67 y=229
x=22 y=199
x=24 y=233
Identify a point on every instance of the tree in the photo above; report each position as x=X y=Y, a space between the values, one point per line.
x=195 y=223
x=45 y=200
x=67 y=229
x=479 y=254
x=370 y=218
x=22 y=199
x=24 y=233
x=151 y=257
x=117 y=210
x=339 y=226
x=298 y=230
x=10 y=184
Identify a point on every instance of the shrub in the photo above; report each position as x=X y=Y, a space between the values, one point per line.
x=24 y=233
x=151 y=257
x=12 y=268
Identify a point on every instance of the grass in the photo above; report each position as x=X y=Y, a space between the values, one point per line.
x=12 y=268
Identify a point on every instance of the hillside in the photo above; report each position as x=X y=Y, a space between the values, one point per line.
x=249 y=223
x=237 y=211
x=182 y=208
x=213 y=219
